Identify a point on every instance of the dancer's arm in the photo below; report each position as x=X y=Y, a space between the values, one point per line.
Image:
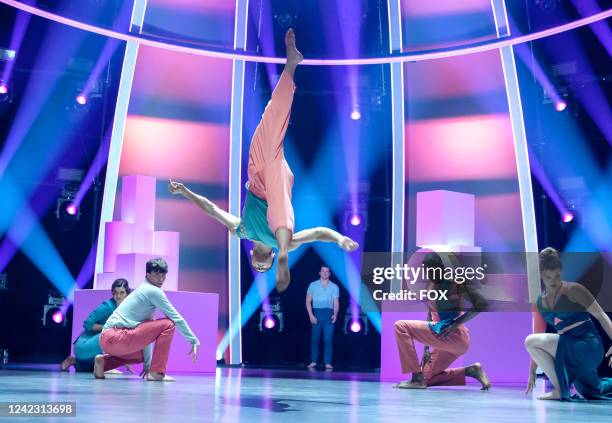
x=324 y=235
x=539 y=326
x=102 y=312
x=311 y=315
x=210 y=208
x=479 y=303
x=579 y=294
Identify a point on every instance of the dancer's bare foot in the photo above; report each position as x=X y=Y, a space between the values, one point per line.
x=312 y=366
x=67 y=363
x=417 y=382
x=113 y=372
x=348 y=244
x=159 y=377
x=99 y=367
x=329 y=368
x=552 y=395
x=293 y=54
x=477 y=372
x=408 y=384
x=283 y=277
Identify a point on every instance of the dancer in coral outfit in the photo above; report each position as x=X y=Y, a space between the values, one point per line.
x=445 y=331
x=267 y=215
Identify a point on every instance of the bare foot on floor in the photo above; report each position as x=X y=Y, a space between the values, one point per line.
x=67 y=363
x=99 y=367
x=159 y=377
x=477 y=372
x=408 y=384
x=553 y=395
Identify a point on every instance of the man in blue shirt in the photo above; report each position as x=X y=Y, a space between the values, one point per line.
x=322 y=305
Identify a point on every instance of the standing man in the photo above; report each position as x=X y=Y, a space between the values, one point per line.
x=322 y=305
x=129 y=332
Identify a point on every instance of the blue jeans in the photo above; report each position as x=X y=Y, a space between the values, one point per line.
x=325 y=325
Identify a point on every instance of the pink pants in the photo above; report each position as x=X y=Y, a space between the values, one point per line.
x=446 y=350
x=269 y=175
x=124 y=346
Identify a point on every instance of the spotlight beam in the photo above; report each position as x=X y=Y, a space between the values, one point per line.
x=400 y=57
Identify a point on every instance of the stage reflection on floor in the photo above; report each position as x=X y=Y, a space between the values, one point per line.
x=247 y=395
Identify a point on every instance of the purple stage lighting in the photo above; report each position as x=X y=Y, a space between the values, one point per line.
x=355 y=220
x=355 y=115
x=3 y=88
x=355 y=326
x=81 y=99
x=71 y=209
x=560 y=105
x=568 y=217
x=57 y=317
x=269 y=322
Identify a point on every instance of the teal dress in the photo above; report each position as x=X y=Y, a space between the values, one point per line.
x=579 y=352
x=254 y=224
x=87 y=345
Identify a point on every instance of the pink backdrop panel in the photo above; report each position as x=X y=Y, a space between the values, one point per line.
x=464 y=148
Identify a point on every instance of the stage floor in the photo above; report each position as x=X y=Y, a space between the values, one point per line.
x=245 y=395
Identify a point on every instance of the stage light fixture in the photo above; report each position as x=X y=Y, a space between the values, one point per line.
x=269 y=322
x=560 y=105
x=58 y=317
x=355 y=324
x=271 y=315
x=81 y=99
x=355 y=220
x=355 y=115
x=67 y=211
x=54 y=302
x=568 y=217
x=72 y=209
x=6 y=96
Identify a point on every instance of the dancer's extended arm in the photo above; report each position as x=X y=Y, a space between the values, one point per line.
x=210 y=208
x=322 y=234
x=579 y=294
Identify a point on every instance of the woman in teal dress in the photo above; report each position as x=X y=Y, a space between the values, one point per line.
x=87 y=346
x=573 y=354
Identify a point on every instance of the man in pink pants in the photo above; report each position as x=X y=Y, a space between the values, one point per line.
x=267 y=216
x=129 y=333
x=444 y=331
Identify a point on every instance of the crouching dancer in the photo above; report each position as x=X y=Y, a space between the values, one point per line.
x=129 y=333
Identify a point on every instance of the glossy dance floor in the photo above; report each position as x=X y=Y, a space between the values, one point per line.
x=238 y=395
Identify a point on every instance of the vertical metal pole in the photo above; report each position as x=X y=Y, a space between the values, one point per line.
x=235 y=168
x=116 y=144
x=397 y=124
x=520 y=150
